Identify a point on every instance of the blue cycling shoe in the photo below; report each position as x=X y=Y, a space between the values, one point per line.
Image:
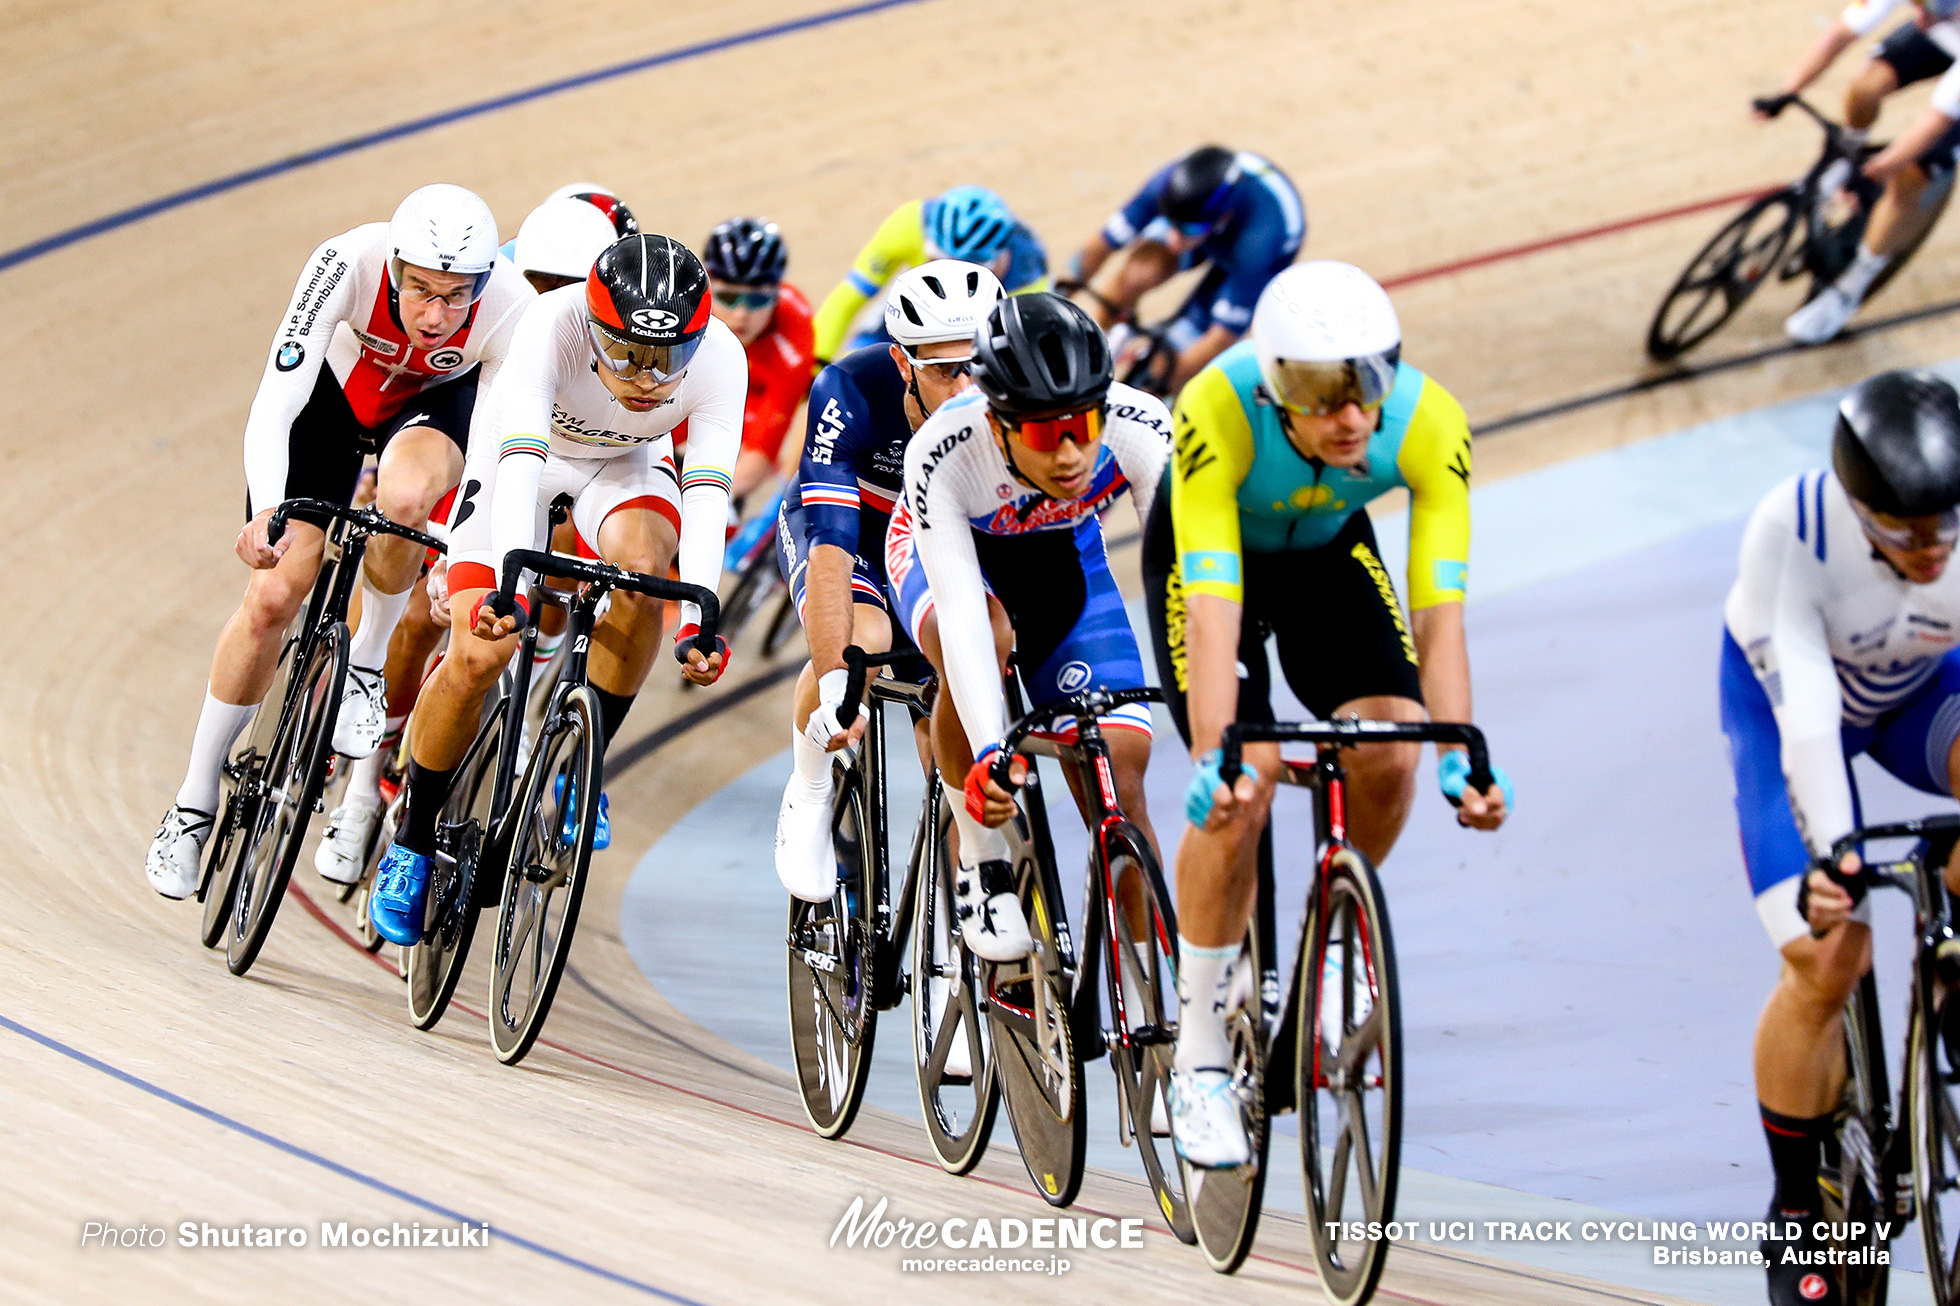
x=601 y=830
x=401 y=886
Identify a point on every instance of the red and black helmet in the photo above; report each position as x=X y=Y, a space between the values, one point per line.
x=647 y=302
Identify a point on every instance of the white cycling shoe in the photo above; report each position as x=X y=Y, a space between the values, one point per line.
x=1207 y=1127
x=342 y=854
x=992 y=924
x=959 y=1057
x=363 y=714
x=805 y=861
x=172 y=863
x=1821 y=319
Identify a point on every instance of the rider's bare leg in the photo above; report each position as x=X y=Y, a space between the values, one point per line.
x=418 y=467
x=1146 y=266
x=1867 y=92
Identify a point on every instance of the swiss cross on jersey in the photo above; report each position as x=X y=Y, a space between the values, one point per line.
x=389 y=371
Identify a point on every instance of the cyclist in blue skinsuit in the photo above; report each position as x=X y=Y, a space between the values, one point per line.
x=830 y=534
x=1227 y=208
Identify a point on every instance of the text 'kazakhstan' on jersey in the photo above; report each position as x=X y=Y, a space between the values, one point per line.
x=1240 y=484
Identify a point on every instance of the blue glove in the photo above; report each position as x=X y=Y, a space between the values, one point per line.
x=1453 y=773
x=1198 y=797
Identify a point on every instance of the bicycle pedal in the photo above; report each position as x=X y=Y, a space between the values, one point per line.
x=1154 y=1035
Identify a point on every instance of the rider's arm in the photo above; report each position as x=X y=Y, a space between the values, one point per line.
x=939 y=486
x=720 y=370
x=900 y=240
x=1856 y=21
x=321 y=299
x=1775 y=613
x=828 y=484
x=1211 y=457
x=546 y=346
x=1027 y=262
x=1090 y=258
x=1127 y=222
x=1434 y=462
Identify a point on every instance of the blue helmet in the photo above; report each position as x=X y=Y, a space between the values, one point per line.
x=969 y=223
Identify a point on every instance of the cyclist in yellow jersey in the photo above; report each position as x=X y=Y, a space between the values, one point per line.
x=1263 y=530
x=970 y=223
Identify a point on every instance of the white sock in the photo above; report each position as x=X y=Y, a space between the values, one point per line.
x=978 y=843
x=810 y=778
x=364 y=780
x=380 y=613
x=218 y=728
x=1857 y=279
x=547 y=648
x=1204 y=981
x=1853 y=139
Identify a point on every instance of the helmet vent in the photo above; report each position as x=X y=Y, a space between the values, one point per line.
x=935 y=285
x=911 y=312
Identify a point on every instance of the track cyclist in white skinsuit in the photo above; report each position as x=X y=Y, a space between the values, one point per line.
x=1841 y=639
x=599 y=375
x=996 y=545
x=378 y=352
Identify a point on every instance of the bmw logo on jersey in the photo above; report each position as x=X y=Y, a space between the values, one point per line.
x=290 y=355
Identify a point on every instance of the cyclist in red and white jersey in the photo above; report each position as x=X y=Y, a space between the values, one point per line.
x=391 y=330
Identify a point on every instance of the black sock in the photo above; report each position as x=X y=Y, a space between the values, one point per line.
x=612 y=715
x=427 y=791
x=1794 y=1149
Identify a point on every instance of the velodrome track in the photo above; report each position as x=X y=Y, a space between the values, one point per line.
x=639 y=1154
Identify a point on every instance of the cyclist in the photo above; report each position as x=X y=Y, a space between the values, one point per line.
x=1915 y=51
x=598 y=375
x=1263 y=530
x=969 y=223
x=559 y=241
x=1227 y=208
x=379 y=351
x=746 y=259
x=830 y=533
x=1840 y=638
x=996 y=544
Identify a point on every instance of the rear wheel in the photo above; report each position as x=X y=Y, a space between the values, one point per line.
x=545 y=873
x=1934 y=1127
x=1719 y=280
x=1348 y=1068
x=1861 y=1196
x=833 y=1016
x=295 y=774
x=220 y=859
x=436 y=963
x=1225 y=1204
x=946 y=1018
x=781 y=626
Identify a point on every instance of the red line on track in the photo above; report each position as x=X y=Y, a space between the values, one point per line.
x=1572 y=238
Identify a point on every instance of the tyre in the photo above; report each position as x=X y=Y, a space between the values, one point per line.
x=833 y=1016
x=1035 y=1055
x=436 y=963
x=781 y=626
x=1719 y=280
x=958 y=1110
x=1225 y=1204
x=384 y=834
x=220 y=859
x=294 y=776
x=1933 y=1126
x=1141 y=1043
x=1860 y=1194
x=544 y=873
x=1348 y=1073
x=749 y=594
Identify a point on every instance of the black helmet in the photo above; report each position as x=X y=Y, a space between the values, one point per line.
x=1040 y=354
x=747 y=251
x=1897 y=447
x=1199 y=185
x=647 y=303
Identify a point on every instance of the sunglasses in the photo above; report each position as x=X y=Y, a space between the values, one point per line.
x=1943 y=535
x=750 y=299
x=944 y=370
x=1315 y=389
x=627 y=360
x=1044 y=434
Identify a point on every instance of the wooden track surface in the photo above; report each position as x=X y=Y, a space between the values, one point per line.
x=1420 y=134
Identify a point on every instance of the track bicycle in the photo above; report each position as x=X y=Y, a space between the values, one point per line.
x=1057 y=1009
x=751 y=559
x=1803 y=228
x=275 y=778
x=1145 y=357
x=1346 y=1072
x=540 y=839
x=844 y=954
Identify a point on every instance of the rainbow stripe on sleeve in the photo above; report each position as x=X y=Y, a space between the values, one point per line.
x=696 y=475
x=535 y=445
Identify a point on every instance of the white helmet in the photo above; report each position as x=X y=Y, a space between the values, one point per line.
x=445 y=229
x=1326 y=336
x=562 y=238
x=940 y=301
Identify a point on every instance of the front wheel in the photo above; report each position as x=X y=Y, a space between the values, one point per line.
x=545 y=873
x=1348 y=1074
x=833 y=1015
x=1721 y=278
x=436 y=963
x=1934 y=1127
x=948 y=1028
x=1225 y=1204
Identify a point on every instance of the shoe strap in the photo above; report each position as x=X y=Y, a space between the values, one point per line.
x=996 y=877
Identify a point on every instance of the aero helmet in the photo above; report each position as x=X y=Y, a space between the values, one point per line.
x=1326 y=336
x=445 y=229
x=562 y=238
x=1897 y=444
x=603 y=200
x=646 y=306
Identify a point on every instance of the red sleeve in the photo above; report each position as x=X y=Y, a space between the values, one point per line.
x=780 y=371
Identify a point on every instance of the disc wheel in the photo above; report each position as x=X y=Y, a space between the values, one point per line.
x=1035 y=1055
x=833 y=1017
x=436 y=963
x=1719 y=280
x=958 y=1109
x=1348 y=1068
x=1225 y=1204
x=1934 y=1127
x=295 y=773
x=545 y=873
x=1143 y=972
